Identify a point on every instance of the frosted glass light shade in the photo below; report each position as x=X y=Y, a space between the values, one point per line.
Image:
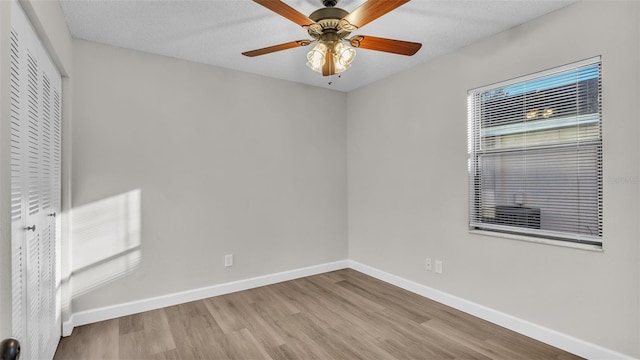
x=315 y=57
x=343 y=56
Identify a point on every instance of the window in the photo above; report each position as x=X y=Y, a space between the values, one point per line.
x=535 y=155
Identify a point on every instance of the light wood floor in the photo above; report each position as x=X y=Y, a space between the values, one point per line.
x=339 y=315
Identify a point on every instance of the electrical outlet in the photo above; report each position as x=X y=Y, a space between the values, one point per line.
x=438 y=266
x=428 y=264
x=228 y=260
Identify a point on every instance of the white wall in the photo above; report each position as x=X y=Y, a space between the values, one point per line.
x=224 y=162
x=408 y=197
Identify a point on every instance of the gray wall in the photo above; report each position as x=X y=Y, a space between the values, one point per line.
x=226 y=162
x=223 y=162
x=408 y=196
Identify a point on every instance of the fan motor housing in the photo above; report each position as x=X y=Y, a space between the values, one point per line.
x=328 y=13
x=328 y=20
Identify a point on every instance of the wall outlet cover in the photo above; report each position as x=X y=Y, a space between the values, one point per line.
x=438 y=266
x=228 y=260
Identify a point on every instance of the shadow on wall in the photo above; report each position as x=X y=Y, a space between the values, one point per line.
x=106 y=241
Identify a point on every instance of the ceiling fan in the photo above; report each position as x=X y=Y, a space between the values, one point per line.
x=330 y=27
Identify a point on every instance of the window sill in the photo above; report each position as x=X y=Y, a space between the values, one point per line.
x=560 y=243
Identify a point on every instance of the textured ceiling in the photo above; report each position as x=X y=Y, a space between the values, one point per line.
x=216 y=32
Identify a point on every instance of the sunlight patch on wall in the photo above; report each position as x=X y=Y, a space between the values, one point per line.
x=106 y=241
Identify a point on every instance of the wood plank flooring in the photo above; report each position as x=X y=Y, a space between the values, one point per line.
x=338 y=315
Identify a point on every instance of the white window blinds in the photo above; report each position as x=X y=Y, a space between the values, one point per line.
x=535 y=155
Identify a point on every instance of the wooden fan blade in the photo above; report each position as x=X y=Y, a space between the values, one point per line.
x=371 y=10
x=329 y=67
x=270 y=49
x=287 y=11
x=386 y=45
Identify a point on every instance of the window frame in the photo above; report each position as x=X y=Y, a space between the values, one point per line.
x=474 y=134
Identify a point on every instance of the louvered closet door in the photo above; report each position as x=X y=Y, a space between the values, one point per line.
x=35 y=197
x=18 y=138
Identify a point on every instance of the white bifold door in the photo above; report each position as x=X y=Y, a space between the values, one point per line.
x=36 y=107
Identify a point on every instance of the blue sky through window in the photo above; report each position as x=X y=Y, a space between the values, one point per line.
x=547 y=82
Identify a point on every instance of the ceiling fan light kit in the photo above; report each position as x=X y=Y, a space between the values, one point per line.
x=330 y=27
x=341 y=54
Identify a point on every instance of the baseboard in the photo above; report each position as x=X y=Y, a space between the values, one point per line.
x=541 y=333
x=134 y=307
x=67 y=326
